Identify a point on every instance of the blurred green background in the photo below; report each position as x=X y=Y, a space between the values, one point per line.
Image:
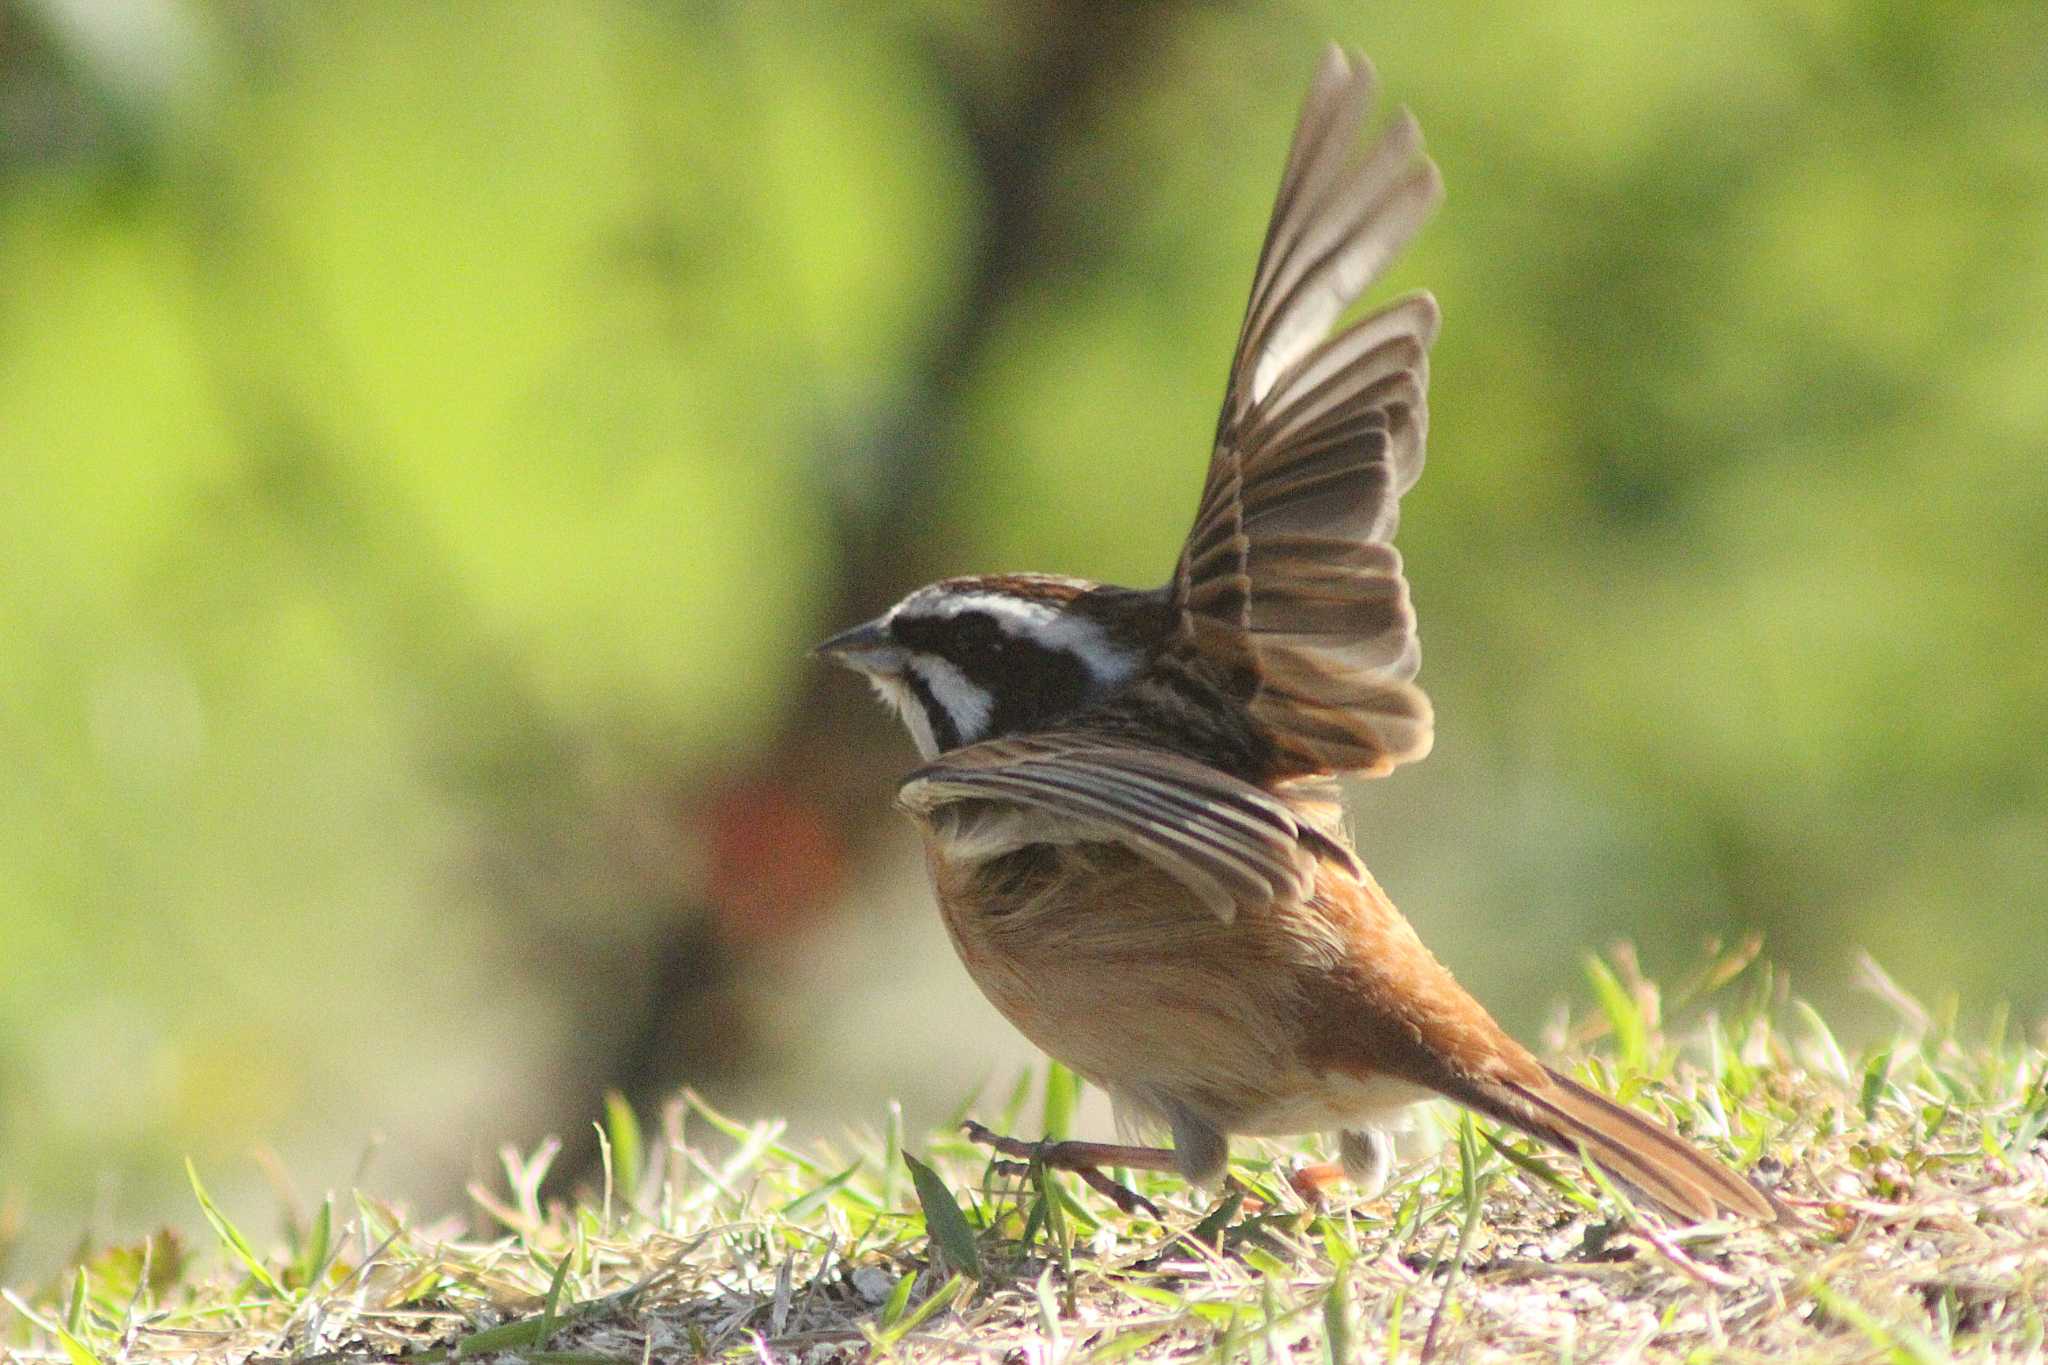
x=430 y=436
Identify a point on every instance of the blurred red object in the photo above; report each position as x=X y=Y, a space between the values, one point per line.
x=775 y=860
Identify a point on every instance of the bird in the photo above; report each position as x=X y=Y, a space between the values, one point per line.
x=1129 y=799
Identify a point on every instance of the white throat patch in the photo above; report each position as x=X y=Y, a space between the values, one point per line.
x=967 y=705
x=896 y=693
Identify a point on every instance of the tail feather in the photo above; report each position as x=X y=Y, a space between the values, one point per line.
x=1647 y=1157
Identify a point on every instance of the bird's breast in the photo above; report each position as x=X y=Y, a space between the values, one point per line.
x=1113 y=967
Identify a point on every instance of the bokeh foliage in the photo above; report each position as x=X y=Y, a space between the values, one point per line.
x=426 y=432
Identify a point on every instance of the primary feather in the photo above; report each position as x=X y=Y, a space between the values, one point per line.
x=1289 y=581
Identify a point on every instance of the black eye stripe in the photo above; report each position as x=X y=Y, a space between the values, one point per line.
x=1029 y=681
x=963 y=635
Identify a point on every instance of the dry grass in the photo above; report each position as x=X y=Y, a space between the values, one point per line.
x=1920 y=1170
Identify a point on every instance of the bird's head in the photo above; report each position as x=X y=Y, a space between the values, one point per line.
x=968 y=659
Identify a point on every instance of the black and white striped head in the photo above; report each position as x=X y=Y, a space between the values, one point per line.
x=968 y=659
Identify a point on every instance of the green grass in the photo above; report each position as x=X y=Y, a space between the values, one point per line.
x=1919 y=1167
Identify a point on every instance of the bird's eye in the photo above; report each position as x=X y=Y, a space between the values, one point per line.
x=978 y=636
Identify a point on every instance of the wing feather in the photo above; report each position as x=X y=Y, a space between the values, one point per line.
x=1228 y=841
x=1289 y=579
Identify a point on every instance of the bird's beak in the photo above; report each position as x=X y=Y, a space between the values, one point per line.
x=866 y=648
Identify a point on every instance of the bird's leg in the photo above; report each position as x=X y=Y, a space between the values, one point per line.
x=1085 y=1159
x=1074 y=1156
x=1201 y=1152
x=1365 y=1158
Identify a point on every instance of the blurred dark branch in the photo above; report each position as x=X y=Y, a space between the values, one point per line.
x=1083 y=51
x=1017 y=136
x=827 y=745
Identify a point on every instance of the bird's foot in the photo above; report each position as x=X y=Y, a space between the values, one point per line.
x=1084 y=1159
x=1312 y=1182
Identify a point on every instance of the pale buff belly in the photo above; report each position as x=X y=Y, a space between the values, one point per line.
x=1115 y=971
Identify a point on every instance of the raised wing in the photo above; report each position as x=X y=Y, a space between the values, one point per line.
x=1229 y=842
x=1289 y=580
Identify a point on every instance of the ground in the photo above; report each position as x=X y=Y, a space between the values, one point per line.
x=1918 y=1172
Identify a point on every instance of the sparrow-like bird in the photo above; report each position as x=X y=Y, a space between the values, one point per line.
x=1129 y=804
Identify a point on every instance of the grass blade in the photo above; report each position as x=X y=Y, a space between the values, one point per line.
x=1209 y=1232
x=943 y=1220
x=892 y=1147
x=1897 y=1342
x=629 y=1148
x=551 y=1309
x=1062 y=1098
x=807 y=1203
x=898 y=1302
x=1822 y=1039
x=231 y=1236
x=75 y=1351
x=310 y=1265
x=1631 y=1031
x=1336 y=1327
x=908 y=1323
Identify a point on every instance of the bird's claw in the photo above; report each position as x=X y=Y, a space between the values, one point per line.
x=1060 y=1156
